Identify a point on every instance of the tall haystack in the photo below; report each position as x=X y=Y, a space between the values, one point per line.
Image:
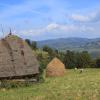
x=55 y=68
x=16 y=59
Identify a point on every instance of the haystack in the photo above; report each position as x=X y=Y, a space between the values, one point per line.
x=55 y=68
x=16 y=59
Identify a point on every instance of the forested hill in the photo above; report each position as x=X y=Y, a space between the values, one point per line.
x=77 y=44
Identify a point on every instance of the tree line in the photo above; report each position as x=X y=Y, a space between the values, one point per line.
x=71 y=59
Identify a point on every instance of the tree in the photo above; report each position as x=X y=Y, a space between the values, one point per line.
x=47 y=49
x=79 y=59
x=93 y=63
x=28 y=42
x=98 y=62
x=34 y=45
x=83 y=59
x=61 y=56
x=69 y=59
x=86 y=59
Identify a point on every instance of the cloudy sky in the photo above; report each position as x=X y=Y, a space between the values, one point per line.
x=48 y=19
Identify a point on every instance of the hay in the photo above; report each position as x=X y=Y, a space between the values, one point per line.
x=55 y=68
x=16 y=58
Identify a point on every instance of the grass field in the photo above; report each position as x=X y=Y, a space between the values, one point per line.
x=73 y=86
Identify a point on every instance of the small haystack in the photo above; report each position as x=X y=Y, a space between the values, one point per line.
x=55 y=68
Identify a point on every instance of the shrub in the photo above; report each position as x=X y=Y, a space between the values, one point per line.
x=13 y=84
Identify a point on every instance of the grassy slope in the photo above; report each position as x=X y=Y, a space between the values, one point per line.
x=73 y=86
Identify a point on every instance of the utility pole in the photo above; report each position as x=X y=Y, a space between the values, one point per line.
x=10 y=33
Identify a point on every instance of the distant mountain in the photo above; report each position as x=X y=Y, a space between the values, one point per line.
x=76 y=44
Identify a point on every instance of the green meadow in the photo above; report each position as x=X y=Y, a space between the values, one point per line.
x=72 y=86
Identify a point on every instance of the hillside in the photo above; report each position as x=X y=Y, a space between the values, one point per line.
x=77 y=44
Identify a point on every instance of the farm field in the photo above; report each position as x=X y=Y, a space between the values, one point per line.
x=72 y=86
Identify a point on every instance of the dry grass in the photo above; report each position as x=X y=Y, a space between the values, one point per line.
x=73 y=86
x=55 y=68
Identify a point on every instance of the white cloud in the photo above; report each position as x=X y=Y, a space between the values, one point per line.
x=55 y=28
x=81 y=18
x=52 y=26
x=67 y=28
x=91 y=17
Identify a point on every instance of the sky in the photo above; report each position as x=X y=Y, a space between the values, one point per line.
x=50 y=19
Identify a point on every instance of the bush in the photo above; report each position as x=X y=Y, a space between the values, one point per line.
x=41 y=74
x=13 y=84
x=98 y=62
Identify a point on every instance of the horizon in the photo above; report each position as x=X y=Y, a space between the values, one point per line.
x=53 y=19
x=65 y=38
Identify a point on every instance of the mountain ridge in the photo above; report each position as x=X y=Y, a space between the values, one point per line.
x=73 y=43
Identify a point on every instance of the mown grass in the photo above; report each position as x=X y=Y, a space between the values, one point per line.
x=73 y=86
